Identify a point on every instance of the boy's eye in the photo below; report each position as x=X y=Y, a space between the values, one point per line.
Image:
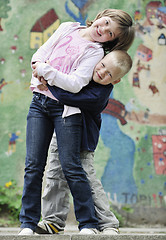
x=110 y=74
x=102 y=64
x=111 y=34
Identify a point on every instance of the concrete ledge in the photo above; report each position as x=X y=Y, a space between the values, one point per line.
x=87 y=237
x=35 y=237
x=120 y=237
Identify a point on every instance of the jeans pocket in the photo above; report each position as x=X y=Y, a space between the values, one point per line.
x=36 y=96
x=38 y=99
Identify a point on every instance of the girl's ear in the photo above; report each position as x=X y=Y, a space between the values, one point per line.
x=116 y=81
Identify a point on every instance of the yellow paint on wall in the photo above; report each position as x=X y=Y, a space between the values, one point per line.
x=36 y=40
x=50 y=30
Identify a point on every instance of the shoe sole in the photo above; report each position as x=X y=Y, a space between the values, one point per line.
x=52 y=228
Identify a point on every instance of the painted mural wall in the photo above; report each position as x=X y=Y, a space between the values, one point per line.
x=130 y=158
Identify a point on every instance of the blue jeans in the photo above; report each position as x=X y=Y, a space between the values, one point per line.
x=45 y=116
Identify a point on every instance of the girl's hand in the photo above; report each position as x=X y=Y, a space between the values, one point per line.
x=35 y=73
x=34 y=66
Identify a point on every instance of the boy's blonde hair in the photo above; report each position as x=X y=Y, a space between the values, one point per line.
x=127 y=31
x=122 y=60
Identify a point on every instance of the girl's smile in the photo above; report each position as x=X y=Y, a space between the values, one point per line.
x=102 y=30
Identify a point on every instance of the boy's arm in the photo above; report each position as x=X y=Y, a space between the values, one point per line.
x=93 y=97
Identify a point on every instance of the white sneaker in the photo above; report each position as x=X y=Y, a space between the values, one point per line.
x=110 y=231
x=89 y=231
x=26 y=231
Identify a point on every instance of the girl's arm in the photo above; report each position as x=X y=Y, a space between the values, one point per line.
x=44 y=52
x=75 y=81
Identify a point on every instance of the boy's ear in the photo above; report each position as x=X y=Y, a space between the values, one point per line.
x=116 y=81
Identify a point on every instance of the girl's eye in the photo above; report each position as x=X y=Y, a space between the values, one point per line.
x=106 y=22
x=102 y=64
x=111 y=34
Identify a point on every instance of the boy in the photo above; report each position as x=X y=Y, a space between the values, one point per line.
x=92 y=99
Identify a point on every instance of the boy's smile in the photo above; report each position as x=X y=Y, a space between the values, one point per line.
x=106 y=72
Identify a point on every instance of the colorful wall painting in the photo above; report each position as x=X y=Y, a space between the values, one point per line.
x=130 y=158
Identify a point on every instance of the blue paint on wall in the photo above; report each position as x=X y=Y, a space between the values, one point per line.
x=80 y=18
x=79 y=3
x=118 y=173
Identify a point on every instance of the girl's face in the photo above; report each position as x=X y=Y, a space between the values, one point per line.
x=104 y=30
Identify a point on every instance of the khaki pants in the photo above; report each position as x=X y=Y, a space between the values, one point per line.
x=55 y=199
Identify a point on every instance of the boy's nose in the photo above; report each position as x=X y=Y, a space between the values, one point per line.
x=102 y=72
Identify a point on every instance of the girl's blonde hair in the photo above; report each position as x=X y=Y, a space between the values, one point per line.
x=127 y=31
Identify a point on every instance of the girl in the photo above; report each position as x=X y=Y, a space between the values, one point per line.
x=72 y=51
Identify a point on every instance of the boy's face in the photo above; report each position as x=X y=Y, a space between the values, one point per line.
x=105 y=72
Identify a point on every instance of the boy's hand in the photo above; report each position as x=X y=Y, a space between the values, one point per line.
x=42 y=87
x=43 y=81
